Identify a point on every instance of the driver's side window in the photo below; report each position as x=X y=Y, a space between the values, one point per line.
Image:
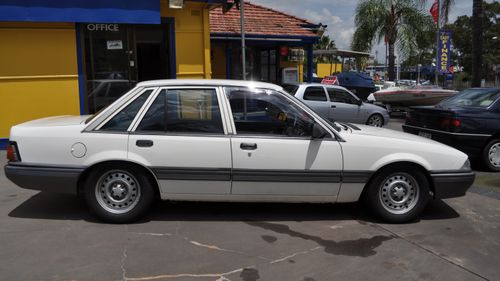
x=267 y=112
x=336 y=95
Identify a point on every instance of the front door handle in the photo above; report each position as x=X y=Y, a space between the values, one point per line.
x=144 y=143
x=333 y=106
x=248 y=146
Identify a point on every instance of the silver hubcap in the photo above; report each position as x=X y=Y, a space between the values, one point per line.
x=399 y=193
x=375 y=120
x=117 y=191
x=494 y=155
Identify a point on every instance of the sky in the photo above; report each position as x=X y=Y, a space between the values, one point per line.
x=339 y=16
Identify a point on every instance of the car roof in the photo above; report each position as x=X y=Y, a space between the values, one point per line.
x=208 y=82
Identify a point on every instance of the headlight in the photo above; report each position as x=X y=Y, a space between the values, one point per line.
x=466 y=166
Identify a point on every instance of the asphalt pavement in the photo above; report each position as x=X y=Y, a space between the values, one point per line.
x=52 y=237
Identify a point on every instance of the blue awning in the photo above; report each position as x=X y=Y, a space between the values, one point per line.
x=91 y=11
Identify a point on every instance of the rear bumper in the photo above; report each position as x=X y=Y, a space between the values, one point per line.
x=470 y=144
x=451 y=184
x=44 y=178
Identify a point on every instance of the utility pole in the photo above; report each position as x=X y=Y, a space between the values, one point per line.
x=437 y=41
x=243 y=51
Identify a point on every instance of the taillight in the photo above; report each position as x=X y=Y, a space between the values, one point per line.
x=450 y=124
x=12 y=152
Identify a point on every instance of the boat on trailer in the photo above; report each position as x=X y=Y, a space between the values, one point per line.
x=412 y=96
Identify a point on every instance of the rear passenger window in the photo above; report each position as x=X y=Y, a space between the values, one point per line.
x=183 y=111
x=315 y=94
x=122 y=120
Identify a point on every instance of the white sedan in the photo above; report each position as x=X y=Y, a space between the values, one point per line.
x=217 y=140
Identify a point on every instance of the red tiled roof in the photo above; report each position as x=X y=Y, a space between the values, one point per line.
x=258 y=20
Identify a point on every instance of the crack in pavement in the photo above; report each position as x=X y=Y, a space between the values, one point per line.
x=294 y=255
x=432 y=252
x=152 y=233
x=220 y=276
x=124 y=256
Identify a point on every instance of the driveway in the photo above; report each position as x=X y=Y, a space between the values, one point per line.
x=51 y=237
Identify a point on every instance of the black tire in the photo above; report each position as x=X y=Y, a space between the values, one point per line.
x=375 y=120
x=398 y=194
x=491 y=155
x=118 y=193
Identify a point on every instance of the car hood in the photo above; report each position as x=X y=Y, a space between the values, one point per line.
x=67 y=120
x=388 y=133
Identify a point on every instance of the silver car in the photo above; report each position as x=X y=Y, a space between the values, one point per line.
x=337 y=103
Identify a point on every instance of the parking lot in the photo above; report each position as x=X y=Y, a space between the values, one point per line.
x=52 y=237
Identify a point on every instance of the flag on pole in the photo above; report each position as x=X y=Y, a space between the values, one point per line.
x=435 y=11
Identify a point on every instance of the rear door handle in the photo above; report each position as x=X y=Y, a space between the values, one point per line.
x=144 y=143
x=248 y=146
x=333 y=106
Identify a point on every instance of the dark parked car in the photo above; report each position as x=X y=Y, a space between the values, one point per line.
x=468 y=121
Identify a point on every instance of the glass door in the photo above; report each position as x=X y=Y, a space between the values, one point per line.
x=117 y=56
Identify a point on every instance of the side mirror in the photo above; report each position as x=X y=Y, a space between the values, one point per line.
x=318 y=132
x=359 y=102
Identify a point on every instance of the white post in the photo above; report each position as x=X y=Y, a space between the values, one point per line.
x=243 y=51
x=397 y=67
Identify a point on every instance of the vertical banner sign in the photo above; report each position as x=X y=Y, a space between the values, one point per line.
x=444 y=51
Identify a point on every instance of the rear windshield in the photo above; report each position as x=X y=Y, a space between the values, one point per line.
x=473 y=97
x=291 y=89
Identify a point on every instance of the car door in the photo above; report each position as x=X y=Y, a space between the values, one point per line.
x=344 y=106
x=182 y=136
x=273 y=152
x=315 y=97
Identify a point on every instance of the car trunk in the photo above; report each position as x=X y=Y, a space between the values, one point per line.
x=432 y=117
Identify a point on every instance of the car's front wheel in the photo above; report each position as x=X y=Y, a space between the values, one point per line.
x=375 y=120
x=491 y=155
x=118 y=194
x=398 y=195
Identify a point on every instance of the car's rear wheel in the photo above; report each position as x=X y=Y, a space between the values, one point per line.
x=118 y=194
x=399 y=194
x=491 y=155
x=375 y=120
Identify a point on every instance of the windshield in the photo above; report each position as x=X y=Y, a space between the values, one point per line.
x=472 y=97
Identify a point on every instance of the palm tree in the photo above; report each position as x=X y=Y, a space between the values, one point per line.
x=400 y=22
x=325 y=43
x=477 y=42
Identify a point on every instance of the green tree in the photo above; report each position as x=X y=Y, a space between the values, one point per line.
x=461 y=52
x=401 y=22
x=325 y=43
x=477 y=42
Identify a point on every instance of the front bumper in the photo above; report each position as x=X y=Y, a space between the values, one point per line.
x=451 y=184
x=44 y=178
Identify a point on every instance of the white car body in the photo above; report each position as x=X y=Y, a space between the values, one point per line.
x=56 y=153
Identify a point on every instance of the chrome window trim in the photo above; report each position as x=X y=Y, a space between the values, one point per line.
x=144 y=108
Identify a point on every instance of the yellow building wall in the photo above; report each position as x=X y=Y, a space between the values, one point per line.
x=326 y=69
x=192 y=39
x=38 y=72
